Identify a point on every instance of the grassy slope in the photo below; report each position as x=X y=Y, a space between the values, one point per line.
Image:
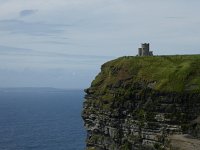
x=169 y=73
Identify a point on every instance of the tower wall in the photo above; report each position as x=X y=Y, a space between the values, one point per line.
x=139 y=51
x=145 y=46
x=151 y=53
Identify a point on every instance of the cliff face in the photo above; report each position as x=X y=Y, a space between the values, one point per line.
x=144 y=103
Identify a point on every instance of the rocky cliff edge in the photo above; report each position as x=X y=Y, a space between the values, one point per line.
x=144 y=103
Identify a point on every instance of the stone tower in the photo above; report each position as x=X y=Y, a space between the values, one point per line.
x=144 y=50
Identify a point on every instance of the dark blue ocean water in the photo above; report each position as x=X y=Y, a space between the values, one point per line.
x=41 y=120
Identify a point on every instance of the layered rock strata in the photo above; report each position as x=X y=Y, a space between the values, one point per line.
x=140 y=103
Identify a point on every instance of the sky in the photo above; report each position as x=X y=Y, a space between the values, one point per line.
x=63 y=43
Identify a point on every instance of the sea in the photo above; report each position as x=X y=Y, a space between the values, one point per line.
x=41 y=119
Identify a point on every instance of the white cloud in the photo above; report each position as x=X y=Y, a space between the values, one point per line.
x=31 y=28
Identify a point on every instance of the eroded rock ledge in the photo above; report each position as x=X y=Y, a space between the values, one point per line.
x=143 y=103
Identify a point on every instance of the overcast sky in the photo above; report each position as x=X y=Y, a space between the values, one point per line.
x=62 y=43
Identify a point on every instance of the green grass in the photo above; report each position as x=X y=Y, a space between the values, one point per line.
x=170 y=73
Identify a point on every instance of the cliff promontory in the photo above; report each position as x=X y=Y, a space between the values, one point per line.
x=144 y=103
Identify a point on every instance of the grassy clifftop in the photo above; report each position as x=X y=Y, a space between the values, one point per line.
x=162 y=73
